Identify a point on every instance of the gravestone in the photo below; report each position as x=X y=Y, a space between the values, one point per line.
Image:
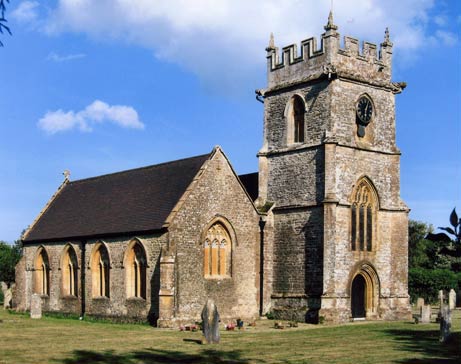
x=445 y=324
x=36 y=306
x=210 y=318
x=419 y=302
x=425 y=314
x=452 y=299
x=7 y=295
x=441 y=299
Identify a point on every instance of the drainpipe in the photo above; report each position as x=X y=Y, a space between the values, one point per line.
x=262 y=223
x=82 y=278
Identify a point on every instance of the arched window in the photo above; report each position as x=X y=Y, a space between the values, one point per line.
x=100 y=271
x=42 y=273
x=363 y=216
x=69 y=272
x=135 y=268
x=217 y=252
x=295 y=117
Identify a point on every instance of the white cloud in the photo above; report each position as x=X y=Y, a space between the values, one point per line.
x=447 y=38
x=223 y=41
x=26 y=12
x=97 y=112
x=55 y=57
x=440 y=20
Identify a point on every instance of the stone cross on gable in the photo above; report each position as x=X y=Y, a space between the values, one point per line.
x=66 y=174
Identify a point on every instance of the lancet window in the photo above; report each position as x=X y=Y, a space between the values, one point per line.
x=100 y=272
x=42 y=273
x=69 y=272
x=135 y=268
x=295 y=115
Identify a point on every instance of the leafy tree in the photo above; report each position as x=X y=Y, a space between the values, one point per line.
x=424 y=253
x=9 y=257
x=3 y=21
x=432 y=260
x=426 y=283
x=450 y=241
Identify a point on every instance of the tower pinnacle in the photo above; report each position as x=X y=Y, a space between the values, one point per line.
x=387 y=39
x=330 y=25
x=271 y=45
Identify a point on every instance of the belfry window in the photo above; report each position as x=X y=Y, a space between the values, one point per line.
x=42 y=273
x=363 y=216
x=69 y=272
x=135 y=267
x=100 y=272
x=295 y=118
x=217 y=252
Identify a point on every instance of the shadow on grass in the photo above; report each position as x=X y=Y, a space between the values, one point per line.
x=426 y=343
x=155 y=356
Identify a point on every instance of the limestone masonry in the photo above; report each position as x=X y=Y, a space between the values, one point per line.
x=320 y=233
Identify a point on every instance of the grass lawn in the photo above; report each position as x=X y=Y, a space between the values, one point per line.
x=54 y=340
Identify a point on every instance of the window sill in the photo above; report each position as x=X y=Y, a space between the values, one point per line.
x=42 y=295
x=101 y=298
x=69 y=297
x=217 y=278
x=136 y=299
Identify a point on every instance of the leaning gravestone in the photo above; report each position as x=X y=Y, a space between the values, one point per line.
x=36 y=306
x=452 y=299
x=445 y=324
x=425 y=314
x=419 y=302
x=210 y=318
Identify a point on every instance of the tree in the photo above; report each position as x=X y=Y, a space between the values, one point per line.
x=3 y=21
x=432 y=264
x=450 y=241
x=454 y=231
x=424 y=253
x=9 y=257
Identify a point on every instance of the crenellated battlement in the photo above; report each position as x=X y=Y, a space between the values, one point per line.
x=313 y=61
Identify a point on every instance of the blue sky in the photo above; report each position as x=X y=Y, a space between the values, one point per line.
x=101 y=86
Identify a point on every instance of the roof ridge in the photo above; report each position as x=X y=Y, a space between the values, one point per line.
x=138 y=168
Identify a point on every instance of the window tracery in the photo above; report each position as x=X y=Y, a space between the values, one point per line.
x=217 y=252
x=363 y=216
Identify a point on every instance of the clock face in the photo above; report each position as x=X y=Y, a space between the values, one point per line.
x=364 y=110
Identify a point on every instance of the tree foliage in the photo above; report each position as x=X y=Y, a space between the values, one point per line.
x=450 y=241
x=9 y=257
x=3 y=27
x=426 y=283
x=434 y=258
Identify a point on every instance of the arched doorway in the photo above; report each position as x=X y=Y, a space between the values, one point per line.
x=358 y=297
x=364 y=292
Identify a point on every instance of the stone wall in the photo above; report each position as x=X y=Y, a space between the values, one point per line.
x=216 y=196
x=117 y=305
x=19 y=296
x=311 y=182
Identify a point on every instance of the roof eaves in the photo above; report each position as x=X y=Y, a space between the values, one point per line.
x=42 y=212
x=96 y=236
x=188 y=190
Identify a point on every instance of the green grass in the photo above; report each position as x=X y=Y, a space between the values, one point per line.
x=69 y=341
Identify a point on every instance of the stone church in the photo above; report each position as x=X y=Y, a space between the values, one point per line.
x=318 y=234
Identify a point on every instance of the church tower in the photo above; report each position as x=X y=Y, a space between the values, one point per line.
x=330 y=168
